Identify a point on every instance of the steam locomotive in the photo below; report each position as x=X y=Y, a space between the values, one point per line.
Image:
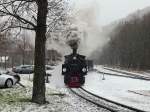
x=74 y=69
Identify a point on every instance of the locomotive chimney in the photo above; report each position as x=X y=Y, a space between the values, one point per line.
x=74 y=47
x=74 y=51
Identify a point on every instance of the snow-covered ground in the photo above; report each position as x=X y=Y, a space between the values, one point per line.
x=132 y=92
x=122 y=72
x=101 y=69
x=139 y=73
x=17 y=99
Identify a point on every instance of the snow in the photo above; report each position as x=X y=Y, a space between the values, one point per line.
x=57 y=79
x=102 y=69
x=119 y=89
x=132 y=92
x=17 y=99
x=145 y=74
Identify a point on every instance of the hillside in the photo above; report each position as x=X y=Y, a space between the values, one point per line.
x=128 y=46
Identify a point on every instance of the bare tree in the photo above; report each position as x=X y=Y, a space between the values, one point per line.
x=24 y=49
x=41 y=16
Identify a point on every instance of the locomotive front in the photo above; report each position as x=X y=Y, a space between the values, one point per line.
x=74 y=69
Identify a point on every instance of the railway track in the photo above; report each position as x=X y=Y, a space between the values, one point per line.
x=107 y=104
x=125 y=75
x=128 y=73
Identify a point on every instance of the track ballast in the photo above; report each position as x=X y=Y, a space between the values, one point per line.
x=107 y=104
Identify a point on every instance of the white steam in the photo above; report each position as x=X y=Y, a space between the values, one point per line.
x=86 y=16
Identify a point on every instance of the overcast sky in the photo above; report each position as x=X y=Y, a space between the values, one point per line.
x=111 y=10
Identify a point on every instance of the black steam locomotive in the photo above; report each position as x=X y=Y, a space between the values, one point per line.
x=74 y=69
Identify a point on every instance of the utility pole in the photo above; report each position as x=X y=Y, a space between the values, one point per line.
x=103 y=77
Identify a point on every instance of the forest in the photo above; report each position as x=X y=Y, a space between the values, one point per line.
x=129 y=46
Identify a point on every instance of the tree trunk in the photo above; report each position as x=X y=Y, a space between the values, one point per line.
x=38 y=95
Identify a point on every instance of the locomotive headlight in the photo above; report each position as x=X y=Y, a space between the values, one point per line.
x=74 y=58
x=83 y=69
x=64 y=69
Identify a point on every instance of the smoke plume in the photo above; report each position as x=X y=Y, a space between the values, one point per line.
x=86 y=17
